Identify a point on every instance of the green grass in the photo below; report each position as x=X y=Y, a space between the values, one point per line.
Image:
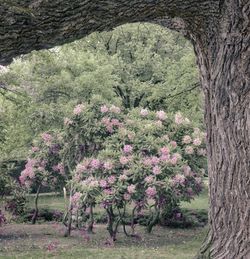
x=48 y=201
x=199 y=203
x=57 y=202
x=27 y=241
x=31 y=241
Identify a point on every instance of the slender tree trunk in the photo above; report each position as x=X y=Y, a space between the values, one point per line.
x=91 y=220
x=69 y=224
x=34 y=217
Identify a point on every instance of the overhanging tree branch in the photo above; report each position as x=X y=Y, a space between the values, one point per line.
x=28 y=25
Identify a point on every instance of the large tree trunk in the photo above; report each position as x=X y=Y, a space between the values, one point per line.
x=220 y=31
x=225 y=74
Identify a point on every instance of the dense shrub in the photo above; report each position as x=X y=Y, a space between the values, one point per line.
x=146 y=160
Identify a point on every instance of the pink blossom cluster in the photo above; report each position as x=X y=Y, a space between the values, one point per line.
x=111 y=123
x=59 y=168
x=103 y=183
x=131 y=189
x=186 y=139
x=149 y=179
x=189 y=150
x=156 y=170
x=124 y=160
x=197 y=141
x=68 y=121
x=75 y=199
x=111 y=179
x=47 y=138
x=123 y=177
x=115 y=109
x=179 y=179
x=161 y=115
x=151 y=192
x=127 y=149
x=28 y=173
x=104 y=109
x=78 y=109
x=164 y=150
x=108 y=165
x=179 y=118
x=95 y=164
x=35 y=149
x=144 y=112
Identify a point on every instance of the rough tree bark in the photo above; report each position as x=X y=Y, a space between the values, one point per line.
x=220 y=32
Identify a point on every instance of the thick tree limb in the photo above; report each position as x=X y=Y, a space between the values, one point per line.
x=28 y=25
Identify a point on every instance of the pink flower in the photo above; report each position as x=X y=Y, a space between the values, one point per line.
x=104 y=109
x=67 y=121
x=173 y=144
x=78 y=109
x=124 y=160
x=108 y=165
x=164 y=150
x=123 y=177
x=144 y=112
x=108 y=191
x=151 y=192
x=115 y=122
x=47 y=138
x=179 y=179
x=131 y=189
x=155 y=160
x=127 y=149
x=95 y=163
x=35 y=149
x=76 y=198
x=186 y=170
x=161 y=115
x=178 y=118
x=186 y=139
x=149 y=179
x=52 y=246
x=103 y=183
x=115 y=109
x=177 y=155
x=80 y=168
x=111 y=179
x=197 y=142
x=147 y=161
x=174 y=160
x=164 y=158
x=93 y=183
x=156 y=170
x=127 y=196
x=158 y=123
x=105 y=121
x=189 y=150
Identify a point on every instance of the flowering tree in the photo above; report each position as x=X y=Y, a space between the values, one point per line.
x=44 y=167
x=144 y=160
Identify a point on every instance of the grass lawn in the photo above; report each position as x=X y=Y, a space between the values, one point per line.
x=27 y=241
x=32 y=241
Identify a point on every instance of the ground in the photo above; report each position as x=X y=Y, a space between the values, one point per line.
x=45 y=240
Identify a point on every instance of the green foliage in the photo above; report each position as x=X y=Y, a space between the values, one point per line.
x=135 y=65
